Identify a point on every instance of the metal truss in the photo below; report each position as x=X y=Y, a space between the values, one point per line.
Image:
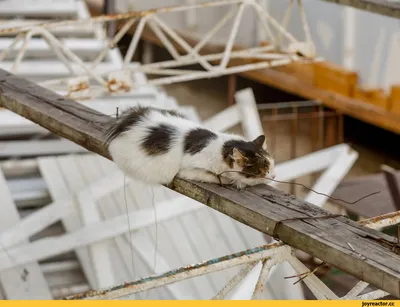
x=89 y=81
x=257 y=264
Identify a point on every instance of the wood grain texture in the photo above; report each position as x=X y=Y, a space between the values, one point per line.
x=394 y=100
x=347 y=105
x=382 y=7
x=53 y=112
x=262 y=208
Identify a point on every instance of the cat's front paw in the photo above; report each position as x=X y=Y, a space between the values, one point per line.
x=240 y=186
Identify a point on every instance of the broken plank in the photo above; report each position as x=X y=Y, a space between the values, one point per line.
x=262 y=208
x=15 y=288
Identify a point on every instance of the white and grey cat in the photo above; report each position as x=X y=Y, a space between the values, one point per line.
x=155 y=145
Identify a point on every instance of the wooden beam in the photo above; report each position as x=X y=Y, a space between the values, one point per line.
x=383 y=7
x=346 y=105
x=263 y=208
x=44 y=107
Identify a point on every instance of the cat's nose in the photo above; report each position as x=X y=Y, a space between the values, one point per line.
x=273 y=176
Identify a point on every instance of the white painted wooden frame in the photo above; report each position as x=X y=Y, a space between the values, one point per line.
x=39 y=47
x=244 y=112
x=38 y=148
x=83 y=47
x=43 y=8
x=35 y=286
x=67 y=31
x=94 y=232
x=336 y=161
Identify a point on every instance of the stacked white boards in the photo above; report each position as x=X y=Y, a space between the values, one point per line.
x=39 y=61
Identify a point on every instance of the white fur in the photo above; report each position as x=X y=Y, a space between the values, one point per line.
x=161 y=169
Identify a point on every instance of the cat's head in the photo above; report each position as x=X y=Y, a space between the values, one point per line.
x=252 y=158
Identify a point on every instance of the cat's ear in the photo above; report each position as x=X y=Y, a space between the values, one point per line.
x=261 y=142
x=238 y=156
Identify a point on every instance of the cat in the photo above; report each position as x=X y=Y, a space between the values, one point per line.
x=155 y=145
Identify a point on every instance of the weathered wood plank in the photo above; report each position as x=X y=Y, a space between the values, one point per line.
x=91 y=126
x=263 y=208
x=383 y=7
x=350 y=106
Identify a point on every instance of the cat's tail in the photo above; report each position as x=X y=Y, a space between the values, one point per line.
x=119 y=125
x=112 y=132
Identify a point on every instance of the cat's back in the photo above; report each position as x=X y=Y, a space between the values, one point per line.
x=146 y=143
x=142 y=120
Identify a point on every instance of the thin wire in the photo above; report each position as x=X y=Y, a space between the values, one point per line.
x=129 y=226
x=300 y=184
x=333 y=198
x=156 y=245
x=156 y=224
